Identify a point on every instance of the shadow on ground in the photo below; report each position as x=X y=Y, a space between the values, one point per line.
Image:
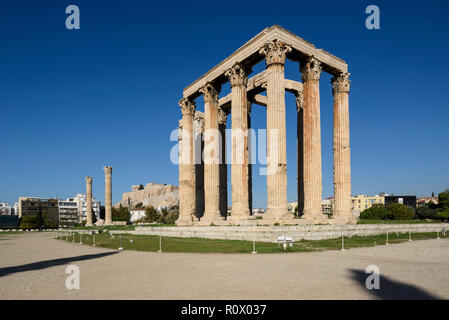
x=391 y=289
x=50 y=263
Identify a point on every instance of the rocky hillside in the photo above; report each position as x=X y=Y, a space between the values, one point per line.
x=153 y=194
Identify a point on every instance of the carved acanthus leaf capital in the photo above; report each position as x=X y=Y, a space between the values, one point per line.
x=311 y=69
x=210 y=92
x=275 y=51
x=187 y=106
x=222 y=116
x=237 y=75
x=341 y=83
x=107 y=170
x=89 y=180
x=299 y=100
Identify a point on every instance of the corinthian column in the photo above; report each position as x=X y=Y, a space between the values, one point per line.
x=222 y=119
x=239 y=168
x=108 y=195
x=211 y=157
x=277 y=209
x=187 y=197
x=342 y=159
x=310 y=74
x=88 y=201
x=300 y=149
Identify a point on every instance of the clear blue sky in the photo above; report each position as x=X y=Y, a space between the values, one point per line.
x=73 y=101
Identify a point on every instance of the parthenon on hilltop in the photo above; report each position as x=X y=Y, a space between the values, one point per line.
x=202 y=169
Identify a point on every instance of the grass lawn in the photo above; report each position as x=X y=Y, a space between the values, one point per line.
x=170 y=244
x=371 y=221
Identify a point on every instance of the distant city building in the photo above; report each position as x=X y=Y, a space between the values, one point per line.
x=5 y=209
x=48 y=209
x=68 y=213
x=137 y=214
x=80 y=200
x=405 y=200
x=424 y=200
x=363 y=202
x=327 y=206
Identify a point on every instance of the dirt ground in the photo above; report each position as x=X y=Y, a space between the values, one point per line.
x=33 y=266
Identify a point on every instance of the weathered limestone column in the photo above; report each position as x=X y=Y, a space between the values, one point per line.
x=300 y=150
x=198 y=129
x=89 y=219
x=277 y=207
x=211 y=158
x=310 y=74
x=342 y=154
x=250 y=167
x=186 y=166
x=222 y=119
x=108 y=195
x=238 y=79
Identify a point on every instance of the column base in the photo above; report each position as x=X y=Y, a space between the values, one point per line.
x=89 y=225
x=242 y=221
x=343 y=220
x=212 y=219
x=277 y=213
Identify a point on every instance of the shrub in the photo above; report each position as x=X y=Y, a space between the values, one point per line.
x=50 y=221
x=172 y=216
x=398 y=211
x=443 y=200
x=442 y=215
x=139 y=205
x=426 y=212
x=375 y=213
x=30 y=222
x=151 y=214
x=120 y=214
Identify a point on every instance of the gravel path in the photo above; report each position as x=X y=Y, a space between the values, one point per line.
x=33 y=265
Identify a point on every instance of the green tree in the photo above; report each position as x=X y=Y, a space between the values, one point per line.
x=151 y=214
x=442 y=215
x=141 y=187
x=374 y=213
x=139 y=205
x=426 y=211
x=443 y=200
x=30 y=221
x=398 y=211
x=120 y=214
x=172 y=216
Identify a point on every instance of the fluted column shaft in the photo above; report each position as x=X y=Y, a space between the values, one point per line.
x=89 y=219
x=239 y=167
x=222 y=120
x=342 y=156
x=108 y=195
x=211 y=156
x=300 y=150
x=275 y=52
x=310 y=73
x=187 y=197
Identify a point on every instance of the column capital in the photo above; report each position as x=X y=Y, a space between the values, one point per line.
x=108 y=170
x=222 y=116
x=299 y=98
x=187 y=106
x=88 y=179
x=210 y=92
x=275 y=51
x=341 y=83
x=311 y=69
x=237 y=75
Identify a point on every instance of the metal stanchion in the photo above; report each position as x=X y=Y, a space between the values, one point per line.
x=438 y=234
x=81 y=238
x=120 y=248
x=93 y=244
x=409 y=236
x=160 y=244
x=387 y=239
x=254 y=242
x=342 y=243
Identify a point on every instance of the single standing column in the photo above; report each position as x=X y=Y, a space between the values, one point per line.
x=250 y=167
x=186 y=166
x=300 y=150
x=342 y=153
x=198 y=128
x=222 y=119
x=108 y=195
x=238 y=78
x=310 y=74
x=277 y=207
x=88 y=202
x=211 y=157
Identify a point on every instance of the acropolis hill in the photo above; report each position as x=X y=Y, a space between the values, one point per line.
x=153 y=194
